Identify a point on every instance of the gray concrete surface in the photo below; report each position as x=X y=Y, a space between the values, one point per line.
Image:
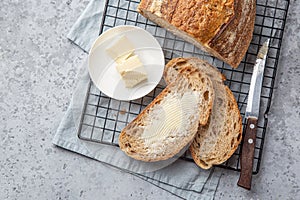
x=38 y=66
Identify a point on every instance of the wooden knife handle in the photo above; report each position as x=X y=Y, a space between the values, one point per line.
x=247 y=156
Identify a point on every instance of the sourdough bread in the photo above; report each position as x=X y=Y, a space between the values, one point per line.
x=170 y=122
x=222 y=28
x=215 y=142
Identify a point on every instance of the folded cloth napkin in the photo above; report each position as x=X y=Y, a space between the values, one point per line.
x=183 y=179
x=86 y=28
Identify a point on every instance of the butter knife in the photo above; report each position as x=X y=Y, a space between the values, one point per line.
x=251 y=115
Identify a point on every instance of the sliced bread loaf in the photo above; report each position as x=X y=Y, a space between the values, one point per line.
x=170 y=122
x=219 y=138
x=222 y=28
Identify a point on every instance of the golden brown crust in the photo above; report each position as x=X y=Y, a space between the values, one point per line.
x=233 y=42
x=222 y=28
x=201 y=19
x=168 y=9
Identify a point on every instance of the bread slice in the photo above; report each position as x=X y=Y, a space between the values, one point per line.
x=171 y=120
x=222 y=28
x=219 y=138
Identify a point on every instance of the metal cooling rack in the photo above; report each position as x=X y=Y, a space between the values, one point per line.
x=103 y=118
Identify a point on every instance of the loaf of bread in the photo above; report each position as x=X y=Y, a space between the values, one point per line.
x=169 y=123
x=222 y=28
x=219 y=138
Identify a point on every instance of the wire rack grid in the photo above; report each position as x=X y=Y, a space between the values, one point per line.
x=103 y=118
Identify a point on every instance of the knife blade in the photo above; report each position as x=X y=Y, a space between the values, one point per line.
x=251 y=115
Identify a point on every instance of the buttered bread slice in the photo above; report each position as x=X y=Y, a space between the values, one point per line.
x=215 y=142
x=171 y=121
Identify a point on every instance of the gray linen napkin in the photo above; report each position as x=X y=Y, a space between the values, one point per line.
x=183 y=179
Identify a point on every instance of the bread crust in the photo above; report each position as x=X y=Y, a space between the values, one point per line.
x=222 y=28
x=232 y=43
x=179 y=63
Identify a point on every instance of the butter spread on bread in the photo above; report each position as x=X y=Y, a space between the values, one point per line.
x=146 y=139
x=170 y=115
